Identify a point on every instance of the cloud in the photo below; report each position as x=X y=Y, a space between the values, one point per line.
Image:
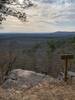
x=47 y=16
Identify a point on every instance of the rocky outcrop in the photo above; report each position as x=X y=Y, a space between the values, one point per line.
x=25 y=79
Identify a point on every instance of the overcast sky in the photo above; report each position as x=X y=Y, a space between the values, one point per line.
x=47 y=16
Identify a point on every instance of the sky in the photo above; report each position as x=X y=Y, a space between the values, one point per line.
x=46 y=16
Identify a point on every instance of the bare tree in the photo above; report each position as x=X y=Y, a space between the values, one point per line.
x=12 y=56
x=7 y=63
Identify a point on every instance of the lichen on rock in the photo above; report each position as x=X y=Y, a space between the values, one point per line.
x=25 y=79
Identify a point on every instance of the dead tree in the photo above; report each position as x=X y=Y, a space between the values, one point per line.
x=12 y=59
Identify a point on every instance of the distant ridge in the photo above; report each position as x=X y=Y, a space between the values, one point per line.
x=37 y=35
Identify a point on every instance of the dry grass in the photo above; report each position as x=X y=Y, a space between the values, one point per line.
x=43 y=91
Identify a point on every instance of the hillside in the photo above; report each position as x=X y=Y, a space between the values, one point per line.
x=30 y=66
x=39 y=53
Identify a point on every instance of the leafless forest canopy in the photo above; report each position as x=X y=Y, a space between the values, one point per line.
x=40 y=52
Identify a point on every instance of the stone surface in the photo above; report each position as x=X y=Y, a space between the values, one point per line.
x=19 y=79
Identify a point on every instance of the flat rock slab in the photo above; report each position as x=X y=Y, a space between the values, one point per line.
x=25 y=79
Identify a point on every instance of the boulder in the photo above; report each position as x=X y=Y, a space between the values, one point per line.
x=25 y=79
